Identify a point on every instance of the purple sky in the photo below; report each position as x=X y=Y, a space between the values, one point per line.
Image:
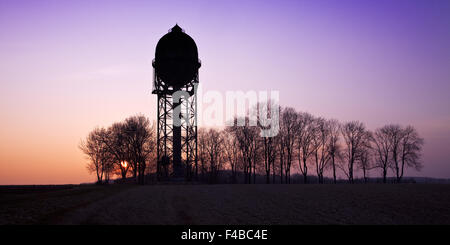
x=68 y=66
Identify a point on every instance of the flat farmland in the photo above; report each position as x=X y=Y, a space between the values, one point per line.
x=227 y=204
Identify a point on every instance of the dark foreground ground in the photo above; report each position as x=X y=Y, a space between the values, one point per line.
x=228 y=204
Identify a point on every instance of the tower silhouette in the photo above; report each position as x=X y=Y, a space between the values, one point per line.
x=176 y=67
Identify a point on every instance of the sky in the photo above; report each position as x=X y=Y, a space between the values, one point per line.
x=69 y=66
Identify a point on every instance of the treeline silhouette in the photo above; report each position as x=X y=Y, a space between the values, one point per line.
x=312 y=145
x=124 y=147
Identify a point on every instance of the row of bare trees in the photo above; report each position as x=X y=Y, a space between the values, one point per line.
x=311 y=144
x=396 y=147
x=124 y=147
x=306 y=144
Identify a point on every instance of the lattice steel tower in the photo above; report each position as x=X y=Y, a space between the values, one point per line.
x=176 y=67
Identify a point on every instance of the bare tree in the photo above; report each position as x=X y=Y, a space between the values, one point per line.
x=247 y=138
x=107 y=156
x=97 y=153
x=253 y=139
x=139 y=135
x=269 y=147
x=306 y=133
x=276 y=161
x=202 y=151
x=288 y=129
x=281 y=152
x=257 y=153
x=382 y=149
x=214 y=141
x=396 y=134
x=353 y=134
x=410 y=150
x=231 y=153
x=364 y=156
x=118 y=148
x=269 y=155
x=320 y=149
x=334 y=148
x=406 y=146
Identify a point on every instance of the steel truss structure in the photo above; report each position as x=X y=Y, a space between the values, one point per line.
x=167 y=166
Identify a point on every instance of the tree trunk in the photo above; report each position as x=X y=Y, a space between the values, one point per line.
x=287 y=175
x=254 y=173
x=281 y=171
x=350 y=173
x=196 y=170
x=401 y=174
x=135 y=171
x=334 y=170
x=364 y=174
x=397 y=172
x=273 y=173
x=305 y=172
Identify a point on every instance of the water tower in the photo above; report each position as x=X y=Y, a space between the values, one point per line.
x=175 y=69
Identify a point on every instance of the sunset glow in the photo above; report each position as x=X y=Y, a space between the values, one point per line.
x=69 y=66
